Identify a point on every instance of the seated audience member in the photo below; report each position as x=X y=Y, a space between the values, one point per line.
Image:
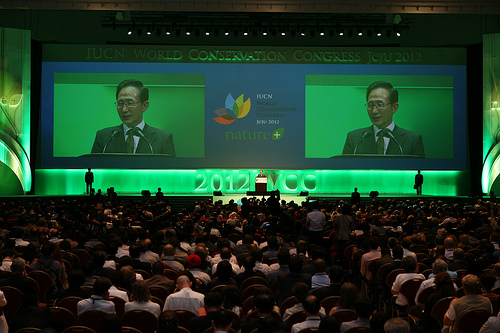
x=248 y=266
x=406 y=244
x=487 y=281
x=329 y=325
x=264 y=305
x=232 y=299
x=349 y=294
x=311 y=307
x=377 y=322
x=222 y=321
x=158 y=279
x=169 y=259
x=141 y=299
x=47 y=264
x=111 y=323
x=397 y=325
x=320 y=278
x=337 y=274
x=135 y=253
x=167 y=323
x=129 y=277
x=224 y=275
x=459 y=261
x=17 y=278
x=300 y=291
x=287 y=280
x=256 y=253
x=213 y=303
x=100 y=298
x=185 y=297
x=8 y=255
x=283 y=258
x=470 y=301
x=225 y=255
x=373 y=254
x=496 y=272
x=437 y=267
x=272 y=249
x=487 y=259
x=364 y=308
x=385 y=258
x=31 y=314
x=99 y=259
x=76 y=279
x=194 y=263
x=409 y=264
x=444 y=288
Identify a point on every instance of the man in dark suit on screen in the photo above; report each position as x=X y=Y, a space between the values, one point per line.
x=383 y=137
x=133 y=136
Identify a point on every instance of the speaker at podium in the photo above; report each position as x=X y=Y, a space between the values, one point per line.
x=260 y=182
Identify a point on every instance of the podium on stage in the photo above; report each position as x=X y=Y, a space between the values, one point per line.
x=261 y=183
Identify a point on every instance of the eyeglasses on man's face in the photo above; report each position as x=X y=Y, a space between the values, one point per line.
x=129 y=104
x=379 y=105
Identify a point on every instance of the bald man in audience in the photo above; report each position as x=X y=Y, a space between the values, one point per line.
x=185 y=298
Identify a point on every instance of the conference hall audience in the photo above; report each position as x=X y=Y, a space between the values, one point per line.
x=124 y=246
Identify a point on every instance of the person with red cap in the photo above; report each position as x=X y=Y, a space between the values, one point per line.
x=194 y=264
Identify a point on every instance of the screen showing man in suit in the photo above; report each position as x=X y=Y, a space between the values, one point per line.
x=383 y=137
x=133 y=136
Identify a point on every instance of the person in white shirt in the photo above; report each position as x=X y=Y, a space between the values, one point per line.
x=8 y=255
x=99 y=300
x=406 y=244
x=185 y=298
x=410 y=266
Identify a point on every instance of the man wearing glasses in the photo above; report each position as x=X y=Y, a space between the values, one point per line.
x=383 y=137
x=133 y=136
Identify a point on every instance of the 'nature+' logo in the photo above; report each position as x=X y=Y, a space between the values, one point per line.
x=234 y=109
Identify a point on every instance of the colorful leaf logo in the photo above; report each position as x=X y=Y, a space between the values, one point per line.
x=233 y=110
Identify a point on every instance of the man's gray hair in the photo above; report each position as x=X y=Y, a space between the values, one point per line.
x=396 y=325
x=18 y=265
x=439 y=266
x=470 y=283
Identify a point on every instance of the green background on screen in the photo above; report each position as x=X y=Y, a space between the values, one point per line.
x=334 y=106
x=83 y=104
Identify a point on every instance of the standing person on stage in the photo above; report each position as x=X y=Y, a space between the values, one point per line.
x=133 y=136
x=89 y=179
x=355 y=197
x=316 y=220
x=419 y=180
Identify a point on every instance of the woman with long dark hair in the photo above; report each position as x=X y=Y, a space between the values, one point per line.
x=444 y=288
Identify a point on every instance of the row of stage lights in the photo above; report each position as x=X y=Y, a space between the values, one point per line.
x=388 y=32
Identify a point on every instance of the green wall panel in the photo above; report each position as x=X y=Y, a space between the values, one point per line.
x=316 y=182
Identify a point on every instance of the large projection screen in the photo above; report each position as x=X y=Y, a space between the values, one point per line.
x=272 y=108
